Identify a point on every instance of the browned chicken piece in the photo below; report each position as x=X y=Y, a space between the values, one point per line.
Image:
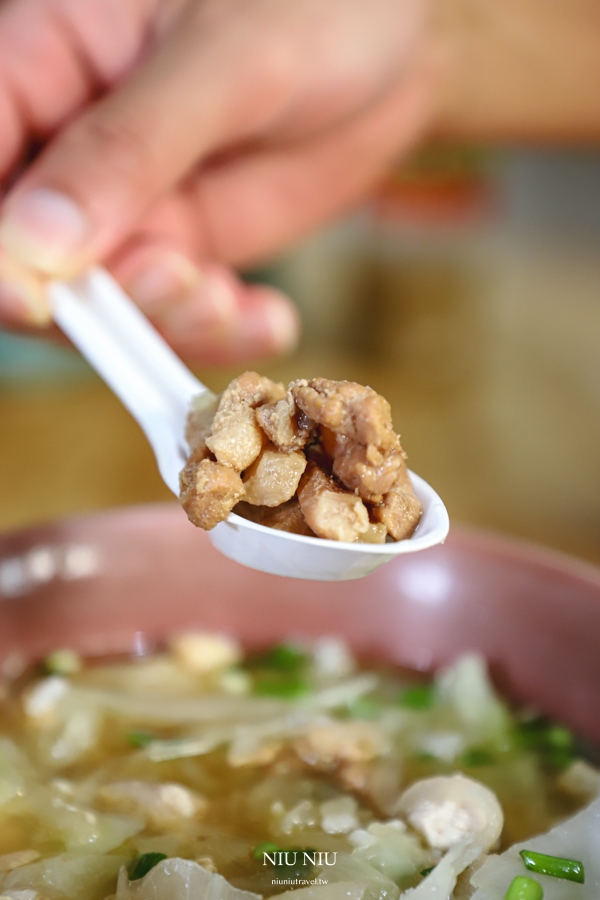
x=209 y=491
x=365 y=469
x=274 y=477
x=285 y=425
x=347 y=408
x=236 y=438
x=333 y=743
x=377 y=781
x=287 y=517
x=400 y=511
x=261 y=434
x=200 y=419
x=328 y=510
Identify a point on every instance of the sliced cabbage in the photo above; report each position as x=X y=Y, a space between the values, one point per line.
x=576 y=838
x=342 y=694
x=162 y=806
x=173 y=709
x=14 y=771
x=76 y=876
x=332 y=658
x=22 y=895
x=349 y=868
x=340 y=890
x=389 y=848
x=302 y=815
x=339 y=816
x=11 y=861
x=179 y=879
x=580 y=779
x=466 y=688
x=80 y=829
x=440 y=883
x=67 y=726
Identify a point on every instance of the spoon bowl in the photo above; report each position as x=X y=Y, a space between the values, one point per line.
x=157 y=389
x=316 y=559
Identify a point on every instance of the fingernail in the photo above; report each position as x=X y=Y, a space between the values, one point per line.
x=281 y=320
x=23 y=297
x=267 y=326
x=44 y=229
x=163 y=281
x=22 y=306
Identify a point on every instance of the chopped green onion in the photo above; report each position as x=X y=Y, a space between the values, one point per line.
x=144 y=863
x=476 y=757
x=524 y=888
x=555 y=743
x=426 y=872
x=266 y=847
x=281 y=658
x=62 y=662
x=560 y=758
x=419 y=697
x=557 y=866
x=140 y=739
x=285 y=688
x=559 y=736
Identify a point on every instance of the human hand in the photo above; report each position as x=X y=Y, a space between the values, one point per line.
x=183 y=137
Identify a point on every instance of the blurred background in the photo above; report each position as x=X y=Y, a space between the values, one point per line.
x=467 y=291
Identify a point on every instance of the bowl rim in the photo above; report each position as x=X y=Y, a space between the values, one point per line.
x=488 y=540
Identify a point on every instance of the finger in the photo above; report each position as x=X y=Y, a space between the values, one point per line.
x=261 y=322
x=205 y=312
x=247 y=208
x=208 y=315
x=79 y=199
x=55 y=55
x=22 y=295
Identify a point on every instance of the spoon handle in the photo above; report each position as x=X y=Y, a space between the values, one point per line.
x=133 y=359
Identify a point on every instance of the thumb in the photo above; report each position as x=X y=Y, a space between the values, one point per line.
x=198 y=92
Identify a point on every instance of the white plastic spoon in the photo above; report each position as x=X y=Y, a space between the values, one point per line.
x=157 y=389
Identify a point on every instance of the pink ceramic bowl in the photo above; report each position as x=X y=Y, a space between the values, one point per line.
x=122 y=580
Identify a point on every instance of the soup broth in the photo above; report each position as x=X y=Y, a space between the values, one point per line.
x=276 y=770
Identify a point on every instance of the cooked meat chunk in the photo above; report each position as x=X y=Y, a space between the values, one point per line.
x=161 y=805
x=342 y=742
x=400 y=510
x=328 y=510
x=286 y=426
x=378 y=781
x=236 y=438
x=209 y=491
x=347 y=408
x=273 y=478
x=203 y=651
x=365 y=469
x=287 y=517
x=326 y=445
